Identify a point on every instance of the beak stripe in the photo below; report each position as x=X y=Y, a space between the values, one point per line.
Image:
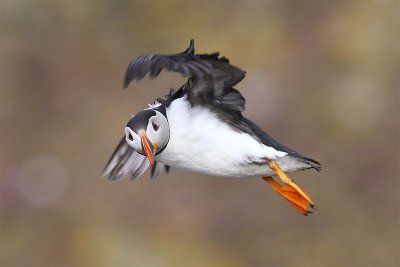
x=147 y=149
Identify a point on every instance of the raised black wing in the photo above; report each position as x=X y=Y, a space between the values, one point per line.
x=211 y=78
x=126 y=161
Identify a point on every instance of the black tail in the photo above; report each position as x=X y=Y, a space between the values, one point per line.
x=313 y=164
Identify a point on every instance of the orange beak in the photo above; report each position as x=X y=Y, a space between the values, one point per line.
x=147 y=148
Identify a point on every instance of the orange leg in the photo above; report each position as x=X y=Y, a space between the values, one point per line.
x=296 y=196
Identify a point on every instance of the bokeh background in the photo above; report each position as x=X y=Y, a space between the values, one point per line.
x=322 y=77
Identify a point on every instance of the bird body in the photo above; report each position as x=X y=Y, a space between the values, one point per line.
x=200 y=128
x=201 y=142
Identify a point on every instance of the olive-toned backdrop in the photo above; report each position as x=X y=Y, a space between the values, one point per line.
x=322 y=77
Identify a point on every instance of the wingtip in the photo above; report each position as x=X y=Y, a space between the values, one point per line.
x=127 y=81
x=103 y=173
x=107 y=170
x=190 y=49
x=125 y=85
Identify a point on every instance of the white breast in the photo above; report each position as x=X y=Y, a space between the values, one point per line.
x=201 y=142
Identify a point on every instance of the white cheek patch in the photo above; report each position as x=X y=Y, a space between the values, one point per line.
x=135 y=142
x=161 y=136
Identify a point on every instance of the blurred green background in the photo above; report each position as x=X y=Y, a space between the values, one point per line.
x=322 y=77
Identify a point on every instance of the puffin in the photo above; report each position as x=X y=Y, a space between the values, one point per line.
x=200 y=128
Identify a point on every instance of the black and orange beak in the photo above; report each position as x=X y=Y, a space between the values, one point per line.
x=148 y=148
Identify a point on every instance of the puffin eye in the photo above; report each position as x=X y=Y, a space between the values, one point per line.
x=155 y=126
x=130 y=137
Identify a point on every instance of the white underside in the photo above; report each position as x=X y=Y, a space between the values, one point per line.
x=200 y=142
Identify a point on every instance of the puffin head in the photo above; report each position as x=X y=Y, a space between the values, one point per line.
x=147 y=133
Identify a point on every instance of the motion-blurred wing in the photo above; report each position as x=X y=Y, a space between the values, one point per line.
x=126 y=161
x=211 y=78
x=157 y=169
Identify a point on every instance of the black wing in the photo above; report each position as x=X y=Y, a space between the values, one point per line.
x=211 y=78
x=126 y=161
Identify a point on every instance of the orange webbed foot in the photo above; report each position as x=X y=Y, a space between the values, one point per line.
x=293 y=196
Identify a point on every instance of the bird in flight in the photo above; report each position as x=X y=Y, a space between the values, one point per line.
x=200 y=128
